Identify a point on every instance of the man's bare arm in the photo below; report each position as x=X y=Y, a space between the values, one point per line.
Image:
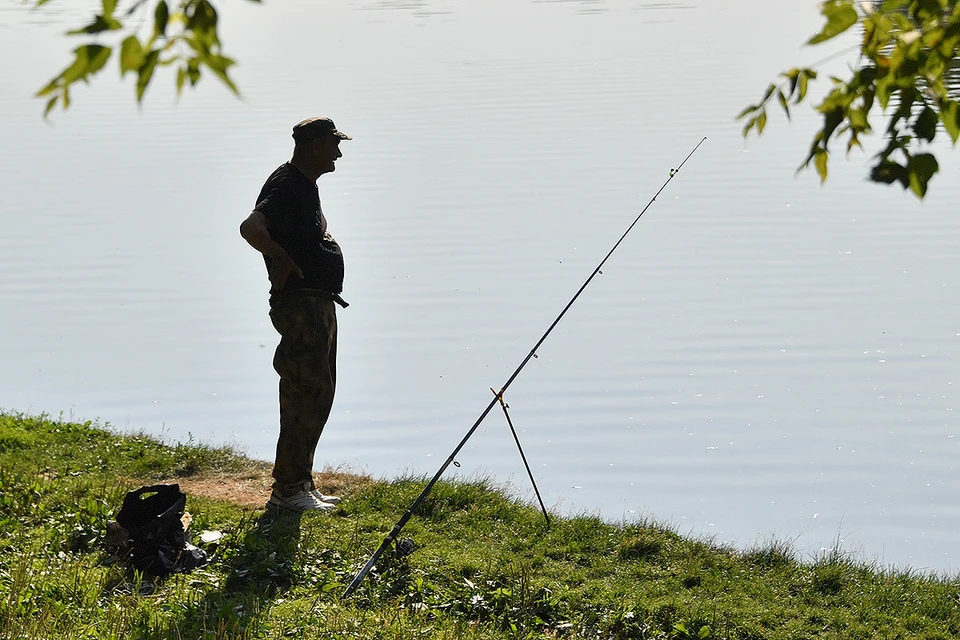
x=254 y=231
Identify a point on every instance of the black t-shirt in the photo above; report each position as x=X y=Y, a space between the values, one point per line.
x=291 y=204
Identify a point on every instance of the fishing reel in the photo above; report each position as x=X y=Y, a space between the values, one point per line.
x=405 y=547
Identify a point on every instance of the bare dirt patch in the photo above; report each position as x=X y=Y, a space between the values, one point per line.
x=250 y=488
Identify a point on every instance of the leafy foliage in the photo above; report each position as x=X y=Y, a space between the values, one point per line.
x=908 y=64
x=182 y=35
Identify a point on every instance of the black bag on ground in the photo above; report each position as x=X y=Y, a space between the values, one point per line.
x=152 y=516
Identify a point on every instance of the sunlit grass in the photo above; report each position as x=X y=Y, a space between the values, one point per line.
x=486 y=564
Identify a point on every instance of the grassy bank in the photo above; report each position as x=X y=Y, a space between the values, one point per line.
x=486 y=565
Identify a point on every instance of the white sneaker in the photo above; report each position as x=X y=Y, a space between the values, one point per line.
x=300 y=501
x=325 y=498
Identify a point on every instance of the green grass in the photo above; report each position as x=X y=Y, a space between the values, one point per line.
x=486 y=565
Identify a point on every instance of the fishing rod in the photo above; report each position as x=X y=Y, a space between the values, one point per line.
x=498 y=395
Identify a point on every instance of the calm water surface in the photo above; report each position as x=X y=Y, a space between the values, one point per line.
x=762 y=359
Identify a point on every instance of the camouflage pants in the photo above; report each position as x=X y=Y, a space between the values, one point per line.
x=306 y=360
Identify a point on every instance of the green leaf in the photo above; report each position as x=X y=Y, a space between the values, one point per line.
x=98 y=56
x=840 y=16
x=858 y=120
x=805 y=76
x=950 y=116
x=49 y=88
x=203 y=18
x=108 y=7
x=749 y=109
x=768 y=93
x=821 y=164
x=867 y=100
x=146 y=72
x=161 y=17
x=89 y=58
x=99 y=25
x=904 y=110
x=77 y=70
x=925 y=10
x=921 y=168
x=831 y=120
x=783 y=103
x=219 y=63
x=761 y=121
x=885 y=89
x=900 y=21
x=888 y=172
x=814 y=147
x=746 y=128
x=867 y=76
x=51 y=103
x=193 y=71
x=793 y=76
x=181 y=79
x=131 y=55
x=933 y=36
x=925 y=126
x=853 y=142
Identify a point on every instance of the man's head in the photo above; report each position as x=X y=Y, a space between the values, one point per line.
x=317 y=147
x=313 y=128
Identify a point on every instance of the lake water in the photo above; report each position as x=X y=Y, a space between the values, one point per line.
x=763 y=358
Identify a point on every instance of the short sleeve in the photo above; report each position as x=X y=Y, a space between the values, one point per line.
x=274 y=202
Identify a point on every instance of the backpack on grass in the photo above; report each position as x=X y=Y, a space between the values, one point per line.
x=153 y=518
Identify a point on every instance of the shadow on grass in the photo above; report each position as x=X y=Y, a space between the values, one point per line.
x=255 y=571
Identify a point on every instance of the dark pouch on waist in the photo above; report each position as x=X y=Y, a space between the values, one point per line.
x=325 y=268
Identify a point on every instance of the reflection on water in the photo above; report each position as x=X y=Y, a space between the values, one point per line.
x=597 y=6
x=952 y=79
x=762 y=356
x=660 y=6
x=419 y=8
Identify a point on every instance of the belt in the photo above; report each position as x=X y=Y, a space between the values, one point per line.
x=312 y=293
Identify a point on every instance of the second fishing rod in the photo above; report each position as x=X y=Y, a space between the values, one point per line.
x=498 y=395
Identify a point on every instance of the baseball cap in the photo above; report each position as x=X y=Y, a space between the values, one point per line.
x=312 y=128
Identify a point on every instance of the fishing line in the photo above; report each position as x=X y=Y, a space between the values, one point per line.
x=498 y=396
